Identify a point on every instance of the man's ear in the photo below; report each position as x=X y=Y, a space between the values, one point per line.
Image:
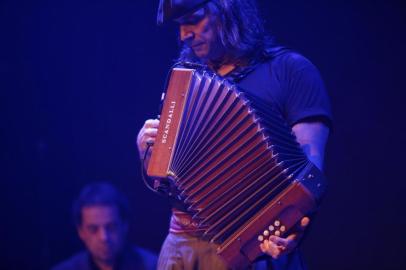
x=80 y=231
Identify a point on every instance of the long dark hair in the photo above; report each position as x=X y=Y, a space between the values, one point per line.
x=241 y=32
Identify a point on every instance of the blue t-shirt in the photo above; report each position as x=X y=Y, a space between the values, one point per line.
x=291 y=83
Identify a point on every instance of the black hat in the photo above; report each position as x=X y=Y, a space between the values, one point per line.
x=172 y=9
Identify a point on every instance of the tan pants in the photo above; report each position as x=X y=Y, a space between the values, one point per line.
x=186 y=252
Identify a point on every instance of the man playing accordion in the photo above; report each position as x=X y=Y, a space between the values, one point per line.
x=228 y=38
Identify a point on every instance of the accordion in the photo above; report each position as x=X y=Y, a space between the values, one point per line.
x=235 y=163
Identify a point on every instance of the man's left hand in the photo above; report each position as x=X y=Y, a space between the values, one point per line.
x=278 y=246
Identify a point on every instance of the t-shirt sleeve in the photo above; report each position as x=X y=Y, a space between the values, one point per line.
x=306 y=98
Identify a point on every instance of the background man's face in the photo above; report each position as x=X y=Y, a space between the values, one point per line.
x=103 y=232
x=198 y=31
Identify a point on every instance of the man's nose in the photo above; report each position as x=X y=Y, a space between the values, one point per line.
x=186 y=34
x=104 y=234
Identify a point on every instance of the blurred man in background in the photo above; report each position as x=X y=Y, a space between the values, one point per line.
x=101 y=215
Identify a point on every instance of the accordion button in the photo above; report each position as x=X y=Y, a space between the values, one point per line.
x=277 y=233
x=277 y=223
x=266 y=233
x=260 y=238
x=271 y=228
x=283 y=228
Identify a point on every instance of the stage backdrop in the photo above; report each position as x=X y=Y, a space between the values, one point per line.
x=79 y=78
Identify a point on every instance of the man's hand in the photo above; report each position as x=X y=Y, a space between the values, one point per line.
x=278 y=246
x=147 y=135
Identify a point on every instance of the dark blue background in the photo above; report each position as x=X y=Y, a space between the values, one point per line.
x=78 y=79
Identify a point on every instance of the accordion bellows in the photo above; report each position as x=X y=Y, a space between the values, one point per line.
x=235 y=163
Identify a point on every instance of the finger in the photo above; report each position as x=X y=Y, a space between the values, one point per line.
x=271 y=249
x=304 y=222
x=263 y=248
x=150 y=132
x=284 y=244
x=279 y=241
x=151 y=123
x=293 y=236
x=266 y=246
x=145 y=138
x=274 y=250
x=299 y=229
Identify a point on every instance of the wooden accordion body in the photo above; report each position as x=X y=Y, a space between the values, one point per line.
x=235 y=162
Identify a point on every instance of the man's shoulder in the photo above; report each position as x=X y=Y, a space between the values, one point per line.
x=290 y=61
x=78 y=261
x=282 y=64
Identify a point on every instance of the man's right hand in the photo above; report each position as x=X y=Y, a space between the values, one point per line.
x=147 y=135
